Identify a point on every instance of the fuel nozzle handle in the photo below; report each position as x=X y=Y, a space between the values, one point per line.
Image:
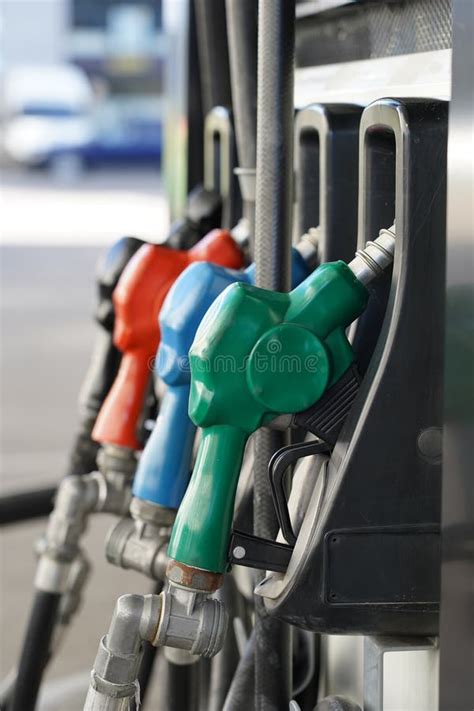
x=164 y=468
x=138 y=299
x=203 y=214
x=101 y=373
x=105 y=358
x=258 y=354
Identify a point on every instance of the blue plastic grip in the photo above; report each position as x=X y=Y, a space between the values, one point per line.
x=164 y=468
x=165 y=465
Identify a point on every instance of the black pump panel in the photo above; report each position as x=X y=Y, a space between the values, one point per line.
x=367 y=554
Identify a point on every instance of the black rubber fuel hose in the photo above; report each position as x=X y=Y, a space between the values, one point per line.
x=36 y=650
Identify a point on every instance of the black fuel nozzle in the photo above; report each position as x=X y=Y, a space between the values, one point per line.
x=203 y=214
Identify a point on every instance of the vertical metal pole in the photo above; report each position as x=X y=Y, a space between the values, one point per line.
x=242 y=40
x=213 y=53
x=276 y=25
x=457 y=571
x=274 y=143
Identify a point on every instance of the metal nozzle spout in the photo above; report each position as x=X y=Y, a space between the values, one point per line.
x=309 y=247
x=375 y=257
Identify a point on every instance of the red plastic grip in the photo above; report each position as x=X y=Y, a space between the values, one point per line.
x=138 y=299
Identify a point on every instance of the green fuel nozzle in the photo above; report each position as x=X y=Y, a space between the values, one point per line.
x=259 y=354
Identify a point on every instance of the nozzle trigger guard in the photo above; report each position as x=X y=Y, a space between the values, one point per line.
x=277 y=469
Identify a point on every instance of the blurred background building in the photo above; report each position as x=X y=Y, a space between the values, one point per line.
x=92 y=71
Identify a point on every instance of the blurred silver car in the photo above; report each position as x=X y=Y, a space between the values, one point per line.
x=48 y=108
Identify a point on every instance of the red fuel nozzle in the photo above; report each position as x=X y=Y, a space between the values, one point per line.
x=137 y=299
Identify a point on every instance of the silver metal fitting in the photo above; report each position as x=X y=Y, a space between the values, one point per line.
x=309 y=247
x=116 y=698
x=247 y=181
x=247 y=178
x=375 y=257
x=117 y=466
x=114 y=677
x=71 y=600
x=180 y=657
x=191 y=620
x=77 y=497
x=186 y=576
x=139 y=546
x=140 y=543
x=241 y=235
x=185 y=619
x=148 y=512
x=114 y=459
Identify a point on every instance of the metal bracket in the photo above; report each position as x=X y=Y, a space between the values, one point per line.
x=219 y=159
x=254 y=552
x=325 y=162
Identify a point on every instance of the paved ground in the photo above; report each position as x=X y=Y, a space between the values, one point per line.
x=47 y=297
x=92 y=209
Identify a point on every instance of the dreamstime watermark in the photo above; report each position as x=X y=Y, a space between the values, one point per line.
x=273 y=361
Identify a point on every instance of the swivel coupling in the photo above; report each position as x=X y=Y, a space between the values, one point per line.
x=184 y=619
x=139 y=546
x=78 y=496
x=114 y=677
x=191 y=620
